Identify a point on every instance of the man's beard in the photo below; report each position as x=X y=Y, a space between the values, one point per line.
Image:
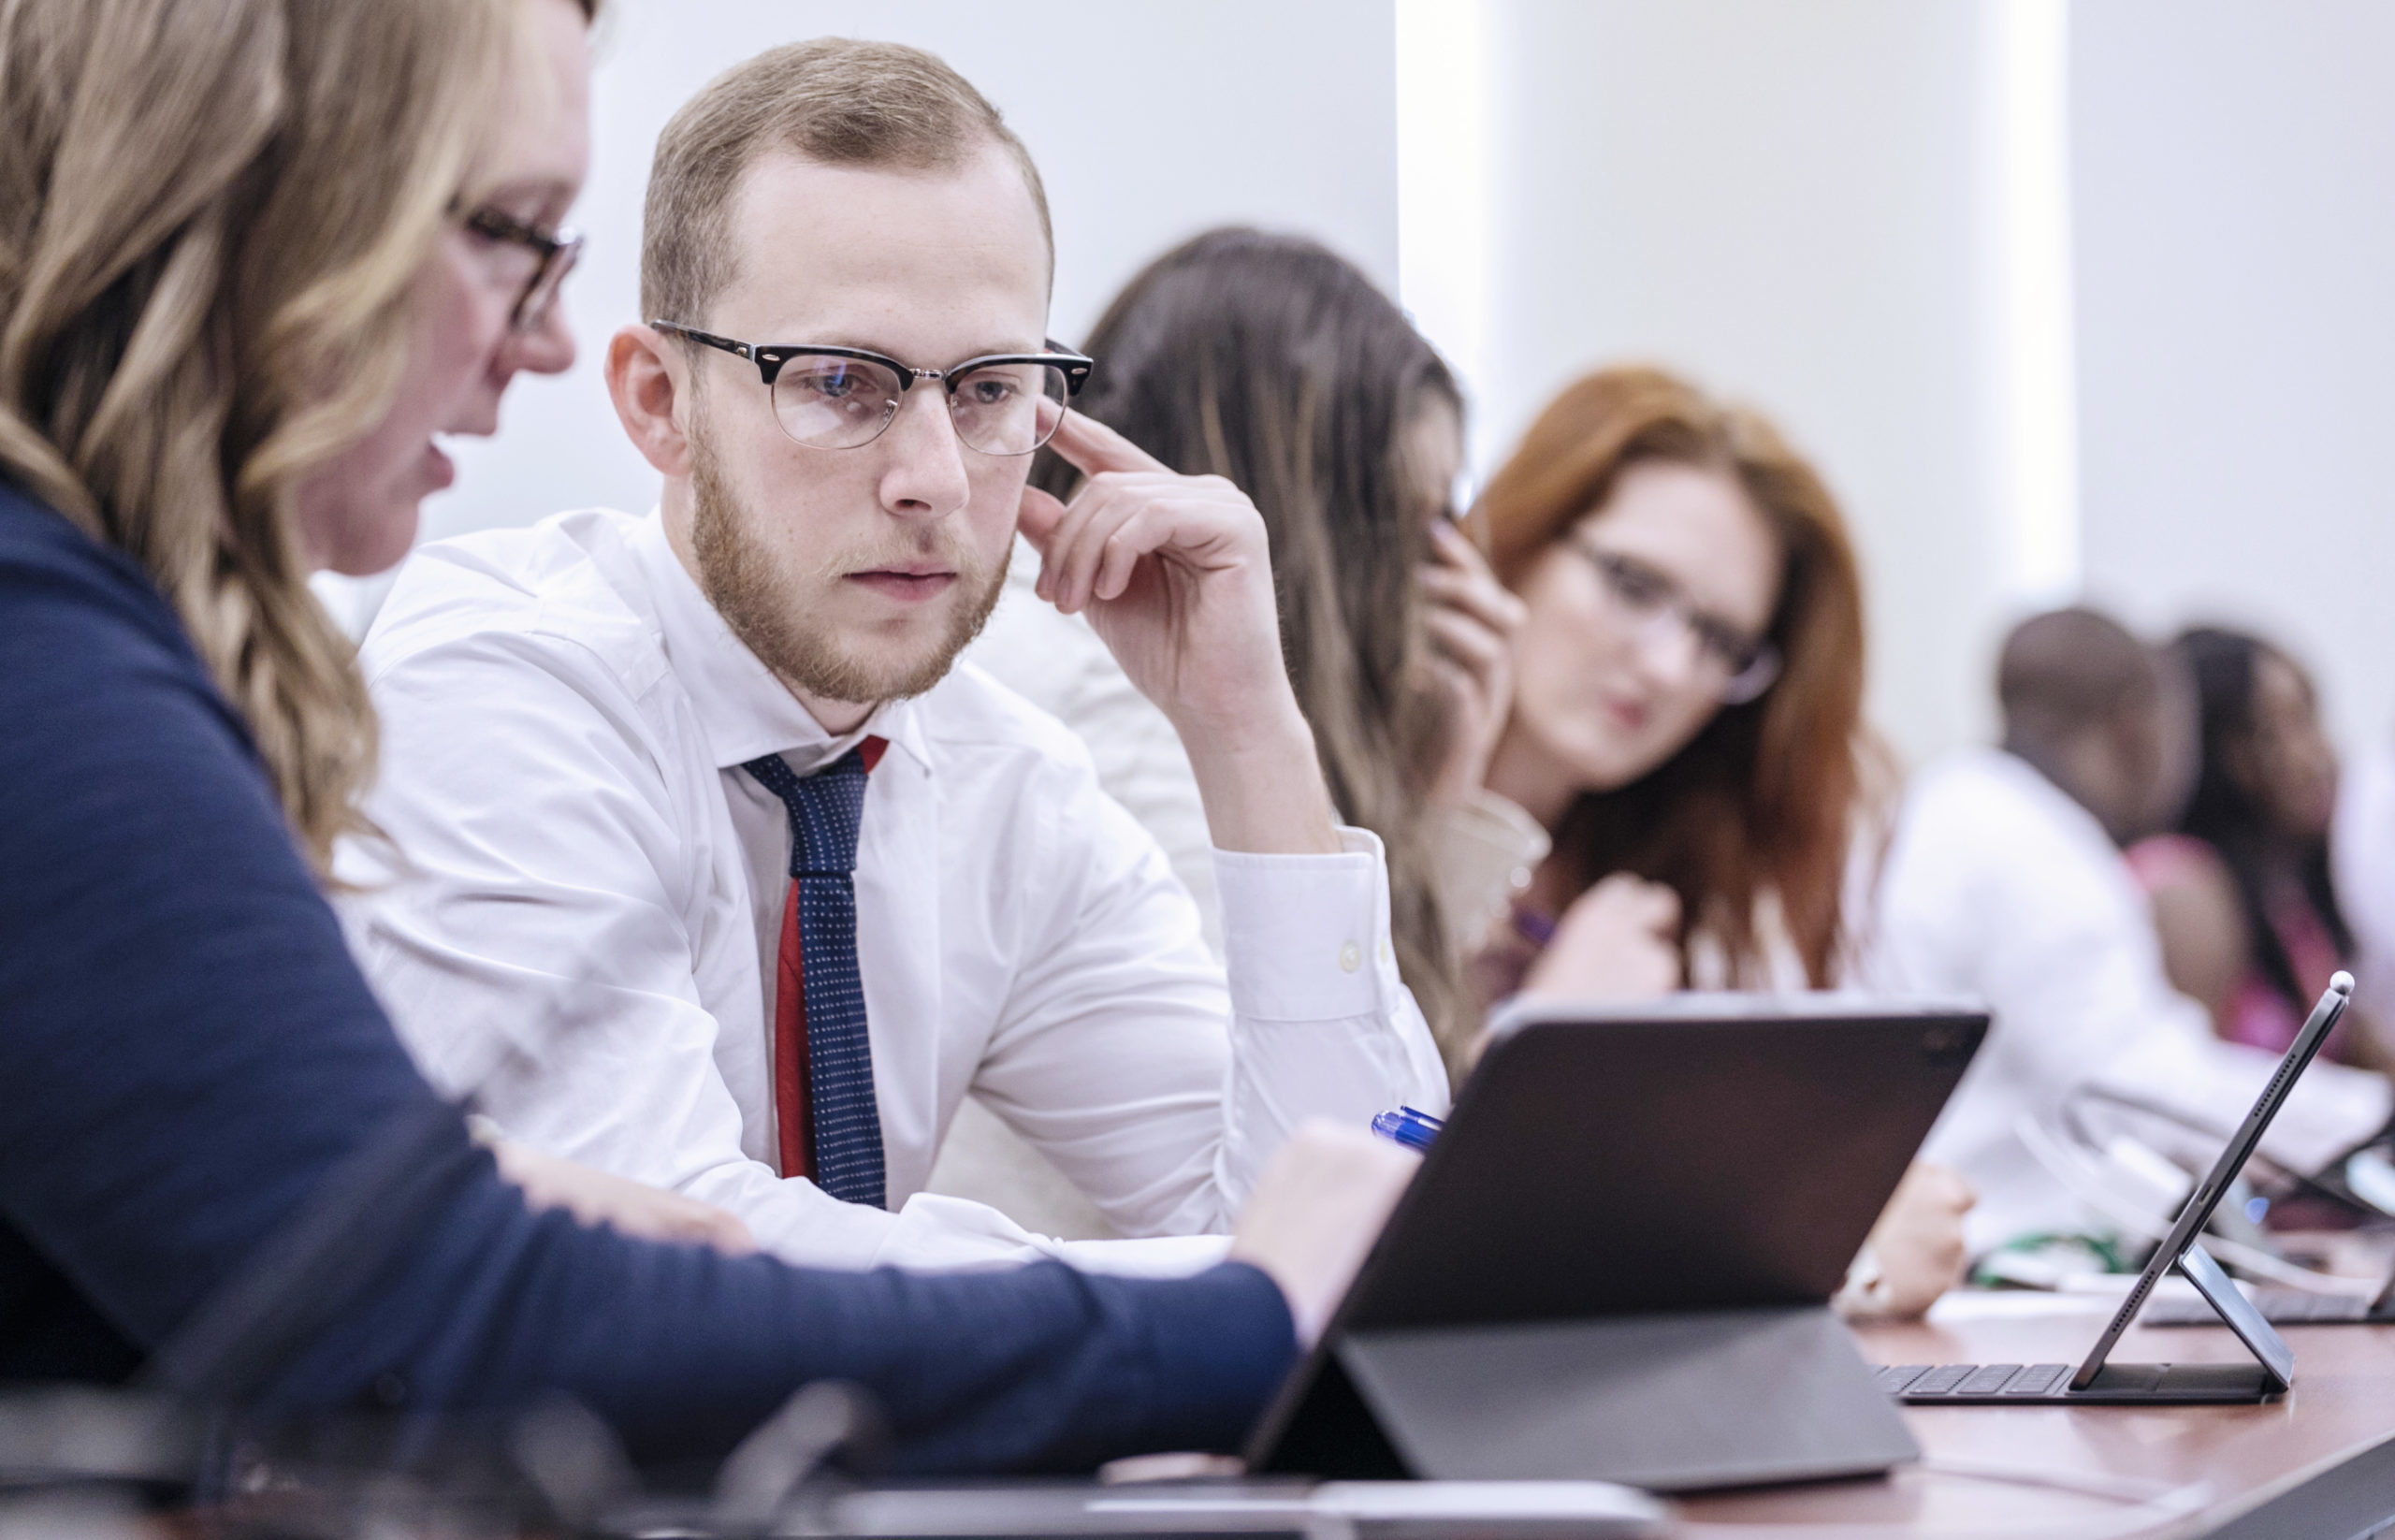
x=738 y=574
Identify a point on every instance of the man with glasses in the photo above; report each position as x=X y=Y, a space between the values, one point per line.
x=705 y=868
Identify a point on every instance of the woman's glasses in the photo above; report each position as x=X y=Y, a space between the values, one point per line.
x=842 y=398
x=1733 y=666
x=553 y=255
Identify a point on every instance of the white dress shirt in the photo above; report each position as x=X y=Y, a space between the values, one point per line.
x=1998 y=885
x=1485 y=851
x=581 y=923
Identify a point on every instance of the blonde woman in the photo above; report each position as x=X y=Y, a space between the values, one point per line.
x=255 y=258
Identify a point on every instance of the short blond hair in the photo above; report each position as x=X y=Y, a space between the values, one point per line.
x=834 y=99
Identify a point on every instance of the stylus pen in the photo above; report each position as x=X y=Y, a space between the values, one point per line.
x=1414 y=1129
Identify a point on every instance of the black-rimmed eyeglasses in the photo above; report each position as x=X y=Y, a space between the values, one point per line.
x=842 y=398
x=554 y=254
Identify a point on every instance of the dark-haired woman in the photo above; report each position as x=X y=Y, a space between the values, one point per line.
x=2250 y=924
x=1688 y=725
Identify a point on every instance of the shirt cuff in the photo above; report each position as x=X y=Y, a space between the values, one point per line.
x=1305 y=938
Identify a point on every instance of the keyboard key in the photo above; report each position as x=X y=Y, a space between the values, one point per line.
x=2038 y=1379
x=1987 y=1379
x=1940 y=1380
x=1894 y=1377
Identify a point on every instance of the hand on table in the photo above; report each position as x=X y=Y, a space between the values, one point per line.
x=1315 y=1212
x=1175 y=574
x=1917 y=1246
x=1620 y=940
x=634 y=1208
x=1470 y=619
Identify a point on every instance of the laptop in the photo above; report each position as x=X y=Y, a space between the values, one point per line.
x=1616 y=1260
x=2099 y=1382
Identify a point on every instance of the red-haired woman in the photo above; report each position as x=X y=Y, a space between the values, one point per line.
x=1688 y=722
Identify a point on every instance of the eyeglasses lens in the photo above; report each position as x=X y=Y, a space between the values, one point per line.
x=1007 y=409
x=541 y=294
x=835 y=403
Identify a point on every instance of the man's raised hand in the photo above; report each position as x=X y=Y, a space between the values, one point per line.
x=1174 y=571
x=1175 y=574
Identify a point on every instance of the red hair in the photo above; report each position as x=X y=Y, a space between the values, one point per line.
x=1762 y=800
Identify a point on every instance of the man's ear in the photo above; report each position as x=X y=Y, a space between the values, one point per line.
x=649 y=385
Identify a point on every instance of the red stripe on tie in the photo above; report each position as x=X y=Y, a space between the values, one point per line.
x=793 y=1097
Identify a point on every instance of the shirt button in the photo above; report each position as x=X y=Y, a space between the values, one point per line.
x=1351 y=957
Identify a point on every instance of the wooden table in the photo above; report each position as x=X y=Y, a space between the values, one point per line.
x=2317 y=1464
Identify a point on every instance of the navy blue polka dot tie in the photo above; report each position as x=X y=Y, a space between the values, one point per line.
x=829 y=1124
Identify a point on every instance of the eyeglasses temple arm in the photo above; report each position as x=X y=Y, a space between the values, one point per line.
x=738 y=349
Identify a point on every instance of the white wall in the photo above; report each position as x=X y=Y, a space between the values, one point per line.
x=1808 y=205
x=1788 y=201
x=2235 y=169
x=1149 y=122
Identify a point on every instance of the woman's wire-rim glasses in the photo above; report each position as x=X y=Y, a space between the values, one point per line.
x=1067 y=371
x=1747 y=665
x=555 y=253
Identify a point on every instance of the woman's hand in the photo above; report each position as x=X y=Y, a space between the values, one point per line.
x=634 y=1208
x=1470 y=619
x=1617 y=941
x=1915 y=1252
x=1315 y=1212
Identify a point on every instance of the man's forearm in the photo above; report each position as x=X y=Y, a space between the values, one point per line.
x=1263 y=789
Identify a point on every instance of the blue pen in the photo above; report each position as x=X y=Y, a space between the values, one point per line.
x=1412 y=1128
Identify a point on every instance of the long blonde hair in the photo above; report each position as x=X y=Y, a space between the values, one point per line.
x=211 y=217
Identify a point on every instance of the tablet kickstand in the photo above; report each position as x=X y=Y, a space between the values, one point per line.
x=2238 y=1314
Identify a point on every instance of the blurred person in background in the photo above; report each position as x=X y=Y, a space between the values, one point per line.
x=255 y=259
x=2248 y=915
x=1276 y=364
x=2006 y=881
x=1688 y=713
x=1687 y=725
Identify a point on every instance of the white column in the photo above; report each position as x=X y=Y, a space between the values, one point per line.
x=1442 y=213
x=2025 y=56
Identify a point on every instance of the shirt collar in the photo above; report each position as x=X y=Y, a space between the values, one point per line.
x=742 y=708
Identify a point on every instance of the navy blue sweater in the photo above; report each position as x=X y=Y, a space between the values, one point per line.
x=188 y=1059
